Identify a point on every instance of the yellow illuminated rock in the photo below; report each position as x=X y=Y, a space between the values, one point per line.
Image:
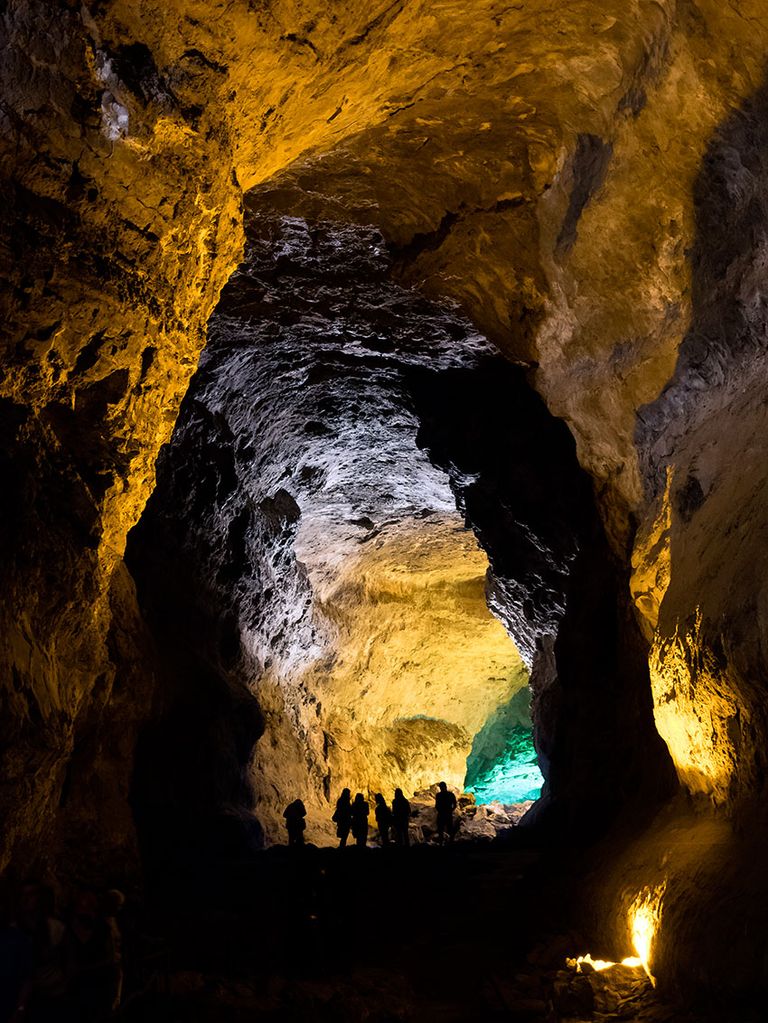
x=415 y=667
x=695 y=711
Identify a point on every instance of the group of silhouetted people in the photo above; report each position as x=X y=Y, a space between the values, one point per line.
x=351 y=817
x=55 y=969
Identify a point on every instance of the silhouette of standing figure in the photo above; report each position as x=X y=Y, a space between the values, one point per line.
x=294 y=815
x=383 y=816
x=445 y=804
x=342 y=817
x=401 y=815
x=360 y=810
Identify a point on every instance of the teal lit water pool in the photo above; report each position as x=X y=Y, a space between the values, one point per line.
x=502 y=766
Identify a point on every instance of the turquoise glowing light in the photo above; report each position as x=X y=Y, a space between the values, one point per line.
x=512 y=779
x=502 y=767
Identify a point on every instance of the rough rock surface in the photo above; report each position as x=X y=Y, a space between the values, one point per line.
x=320 y=551
x=119 y=226
x=700 y=564
x=587 y=180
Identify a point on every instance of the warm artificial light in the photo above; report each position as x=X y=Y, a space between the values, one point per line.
x=644 y=917
x=604 y=964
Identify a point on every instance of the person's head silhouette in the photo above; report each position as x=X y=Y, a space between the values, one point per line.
x=443 y=786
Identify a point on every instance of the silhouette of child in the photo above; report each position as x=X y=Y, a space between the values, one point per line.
x=90 y=956
x=46 y=932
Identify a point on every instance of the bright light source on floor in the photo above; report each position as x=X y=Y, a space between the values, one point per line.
x=603 y=964
x=643 y=918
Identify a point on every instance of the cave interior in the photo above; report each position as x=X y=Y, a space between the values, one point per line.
x=380 y=404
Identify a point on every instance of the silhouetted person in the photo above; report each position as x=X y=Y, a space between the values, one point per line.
x=342 y=817
x=445 y=804
x=401 y=815
x=383 y=816
x=294 y=815
x=360 y=811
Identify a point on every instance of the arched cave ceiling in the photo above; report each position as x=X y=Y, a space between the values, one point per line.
x=585 y=179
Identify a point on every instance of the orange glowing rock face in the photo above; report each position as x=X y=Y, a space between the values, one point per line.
x=643 y=919
x=692 y=707
x=694 y=700
x=651 y=563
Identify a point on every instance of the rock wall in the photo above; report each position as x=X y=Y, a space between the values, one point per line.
x=699 y=565
x=587 y=182
x=110 y=270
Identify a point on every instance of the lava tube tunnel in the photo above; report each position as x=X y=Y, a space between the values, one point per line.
x=382 y=404
x=319 y=492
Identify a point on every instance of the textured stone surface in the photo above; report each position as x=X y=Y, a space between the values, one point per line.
x=305 y=521
x=587 y=181
x=119 y=225
x=323 y=546
x=705 y=481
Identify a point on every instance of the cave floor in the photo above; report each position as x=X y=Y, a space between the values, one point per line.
x=463 y=933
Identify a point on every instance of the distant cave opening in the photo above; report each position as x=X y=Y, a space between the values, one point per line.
x=503 y=765
x=361 y=503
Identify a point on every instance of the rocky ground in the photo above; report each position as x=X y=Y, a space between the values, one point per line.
x=466 y=933
x=474 y=823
